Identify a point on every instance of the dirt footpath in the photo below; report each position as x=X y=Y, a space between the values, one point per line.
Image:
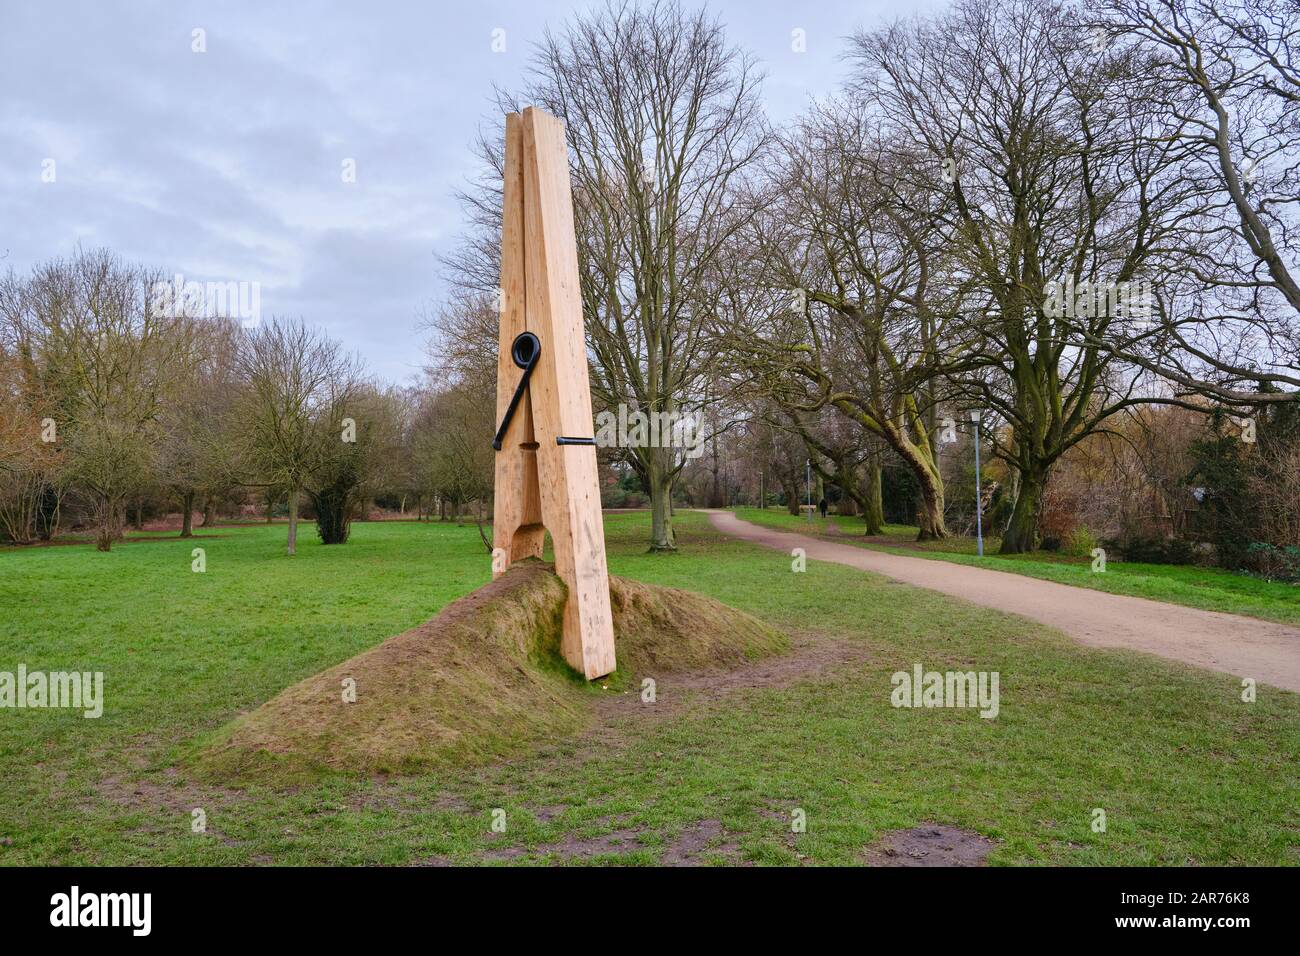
x=1267 y=652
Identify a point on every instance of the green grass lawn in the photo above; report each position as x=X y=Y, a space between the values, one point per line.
x=1186 y=772
x=1211 y=589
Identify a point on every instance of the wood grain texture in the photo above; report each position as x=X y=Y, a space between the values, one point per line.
x=517 y=510
x=535 y=477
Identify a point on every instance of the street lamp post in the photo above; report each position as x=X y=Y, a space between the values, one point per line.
x=808 y=479
x=979 y=498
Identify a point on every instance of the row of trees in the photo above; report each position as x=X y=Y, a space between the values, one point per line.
x=1049 y=216
x=1162 y=483
x=109 y=399
x=1044 y=214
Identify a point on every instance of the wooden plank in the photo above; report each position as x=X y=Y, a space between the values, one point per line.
x=561 y=397
x=516 y=513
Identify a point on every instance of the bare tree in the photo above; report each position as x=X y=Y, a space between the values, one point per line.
x=31 y=462
x=450 y=450
x=664 y=122
x=202 y=452
x=356 y=432
x=1230 y=101
x=109 y=360
x=290 y=373
x=860 y=255
x=1036 y=133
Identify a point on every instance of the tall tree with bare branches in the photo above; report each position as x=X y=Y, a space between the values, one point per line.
x=664 y=123
x=1036 y=133
x=1229 y=98
x=293 y=377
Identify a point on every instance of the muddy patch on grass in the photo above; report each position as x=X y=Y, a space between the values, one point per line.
x=698 y=841
x=930 y=844
x=390 y=795
x=546 y=814
x=171 y=794
x=693 y=846
x=571 y=847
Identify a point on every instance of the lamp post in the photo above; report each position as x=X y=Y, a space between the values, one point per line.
x=808 y=479
x=979 y=498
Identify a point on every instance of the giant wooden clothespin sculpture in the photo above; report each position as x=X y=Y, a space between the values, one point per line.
x=546 y=455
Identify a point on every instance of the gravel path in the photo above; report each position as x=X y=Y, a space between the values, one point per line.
x=1244 y=646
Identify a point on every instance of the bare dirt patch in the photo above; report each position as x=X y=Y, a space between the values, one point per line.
x=548 y=813
x=692 y=847
x=930 y=844
x=575 y=847
x=705 y=838
x=171 y=795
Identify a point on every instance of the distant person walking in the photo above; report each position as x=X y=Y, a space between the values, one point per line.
x=821 y=506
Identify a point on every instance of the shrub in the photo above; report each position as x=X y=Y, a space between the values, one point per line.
x=1273 y=563
x=1080 y=542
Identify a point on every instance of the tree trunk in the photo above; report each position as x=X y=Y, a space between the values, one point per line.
x=874 y=512
x=715 y=485
x=791 y=490
x=660 y=480
x=1022 y=530
x=208 y=508
x=47 y=513
x=487 y=543
x=293 y=520
x=187 y=515
x=929 y=516
x=139 y=515
x=929 y=512
x=919 y=456
x=108 y=529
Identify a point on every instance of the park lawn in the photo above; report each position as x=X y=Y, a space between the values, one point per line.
x=1185 y=771
x=1211 y=589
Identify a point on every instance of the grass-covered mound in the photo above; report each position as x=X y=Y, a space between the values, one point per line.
x=481 y=680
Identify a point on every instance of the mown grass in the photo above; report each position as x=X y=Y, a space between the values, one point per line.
x=1210 y=589
x=1186 y=772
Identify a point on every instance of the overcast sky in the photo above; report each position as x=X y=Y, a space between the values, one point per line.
x=226 y=165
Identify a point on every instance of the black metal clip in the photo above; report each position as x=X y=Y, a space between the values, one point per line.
x=525 y=350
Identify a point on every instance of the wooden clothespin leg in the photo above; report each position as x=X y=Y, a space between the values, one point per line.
x=545 y=480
